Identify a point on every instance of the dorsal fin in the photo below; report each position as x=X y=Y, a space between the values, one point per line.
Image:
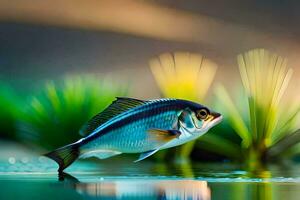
x=120 y=105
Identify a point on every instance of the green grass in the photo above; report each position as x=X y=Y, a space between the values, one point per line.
x=54 y=117
x=269 y=121
x=10 y=111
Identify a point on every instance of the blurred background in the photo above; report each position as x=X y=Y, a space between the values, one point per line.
x=44 y=40
x=59 y=59
x=63 y=61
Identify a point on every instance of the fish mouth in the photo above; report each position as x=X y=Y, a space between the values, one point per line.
x=216 y=118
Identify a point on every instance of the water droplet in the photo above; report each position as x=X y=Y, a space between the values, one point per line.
x=12 y=160
x=24 y=160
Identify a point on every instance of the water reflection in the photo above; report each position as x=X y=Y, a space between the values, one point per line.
x=37 y=180
x=145 y=189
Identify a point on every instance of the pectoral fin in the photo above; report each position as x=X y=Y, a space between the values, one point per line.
x=146 y=155
x=163 y=136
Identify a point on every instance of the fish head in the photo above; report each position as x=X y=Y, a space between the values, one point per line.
x=199 y=119
x=204 y=119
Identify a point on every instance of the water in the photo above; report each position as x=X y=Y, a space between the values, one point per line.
x=26 y=175
x=117 y=178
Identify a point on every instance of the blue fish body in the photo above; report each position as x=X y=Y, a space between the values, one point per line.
x=136 y=126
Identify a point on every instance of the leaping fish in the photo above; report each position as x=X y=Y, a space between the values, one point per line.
x=138 y=126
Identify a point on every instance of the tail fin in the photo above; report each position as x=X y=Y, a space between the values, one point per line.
x=64 y=156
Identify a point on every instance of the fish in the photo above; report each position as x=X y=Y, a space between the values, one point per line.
x=131 y=125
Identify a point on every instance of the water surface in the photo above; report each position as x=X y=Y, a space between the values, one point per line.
x=36 y=178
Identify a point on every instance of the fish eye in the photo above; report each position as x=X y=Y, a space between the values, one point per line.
x=202 y=114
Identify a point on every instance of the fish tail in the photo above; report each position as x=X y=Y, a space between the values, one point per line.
x=65 y=155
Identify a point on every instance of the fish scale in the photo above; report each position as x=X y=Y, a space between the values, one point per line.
x=123 y=138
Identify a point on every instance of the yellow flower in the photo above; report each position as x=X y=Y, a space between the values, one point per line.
x=183 y=75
